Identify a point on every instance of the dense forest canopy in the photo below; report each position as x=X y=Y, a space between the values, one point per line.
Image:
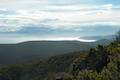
x=99 y=63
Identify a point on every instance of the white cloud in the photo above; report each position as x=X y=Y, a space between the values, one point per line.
x=18 y=39
x=108 y=6
x=64 y=17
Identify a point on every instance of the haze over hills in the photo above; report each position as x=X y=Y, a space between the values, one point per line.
x=31 y=50
x=108 y=37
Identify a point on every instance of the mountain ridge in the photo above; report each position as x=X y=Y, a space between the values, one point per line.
x=26 y=51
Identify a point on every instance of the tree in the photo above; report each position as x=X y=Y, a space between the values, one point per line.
x=117 y=38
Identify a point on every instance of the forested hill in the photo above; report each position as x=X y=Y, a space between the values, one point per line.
x=99 y=63
x=31 y=50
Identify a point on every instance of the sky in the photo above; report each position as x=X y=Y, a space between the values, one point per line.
x=23 y=20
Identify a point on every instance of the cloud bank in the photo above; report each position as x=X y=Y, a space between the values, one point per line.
x=56 y=17
x=59 y=17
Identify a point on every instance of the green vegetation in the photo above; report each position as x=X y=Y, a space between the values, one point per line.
x=33 y=50
x=99 y=63
x=40 y=70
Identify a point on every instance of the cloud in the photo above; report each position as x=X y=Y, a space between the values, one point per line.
x=16 y=15
x=18 y=39
x=66 y=18
x=108 y=6
x=24 y=18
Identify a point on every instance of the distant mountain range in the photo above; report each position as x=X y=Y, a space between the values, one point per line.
x=31 y=50
x=108 y=37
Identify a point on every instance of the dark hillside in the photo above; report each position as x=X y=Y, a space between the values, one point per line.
x=27 y=51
